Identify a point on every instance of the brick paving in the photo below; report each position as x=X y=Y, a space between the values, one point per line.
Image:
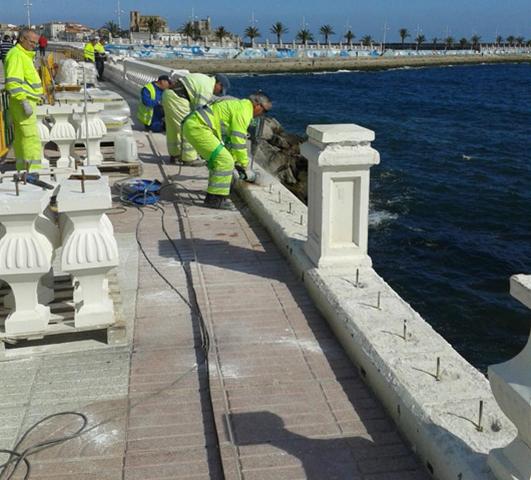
x=286 y=403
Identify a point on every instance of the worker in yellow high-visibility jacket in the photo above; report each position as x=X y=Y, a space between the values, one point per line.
x=219 y=134
x=24 y=86
x=99 y=58
x=185 y=95
x=89 y=51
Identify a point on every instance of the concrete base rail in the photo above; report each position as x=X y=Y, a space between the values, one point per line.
x=442 y=404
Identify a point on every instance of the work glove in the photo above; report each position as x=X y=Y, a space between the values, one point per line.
x=28 y=110
x=246 y=174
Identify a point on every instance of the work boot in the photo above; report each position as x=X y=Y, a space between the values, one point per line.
x=219 y=202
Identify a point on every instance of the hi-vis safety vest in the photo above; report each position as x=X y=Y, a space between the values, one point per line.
x=100 y=49
x=200 y=88
x=229 y=120
x=145 y=113
x=22 y=79
x=88 y=52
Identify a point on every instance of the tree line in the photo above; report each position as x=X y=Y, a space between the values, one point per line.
x=305 y=36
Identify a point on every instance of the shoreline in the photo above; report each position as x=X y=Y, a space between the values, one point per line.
x=280 y=65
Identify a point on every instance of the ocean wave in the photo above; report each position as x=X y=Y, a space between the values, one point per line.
x=379 y=217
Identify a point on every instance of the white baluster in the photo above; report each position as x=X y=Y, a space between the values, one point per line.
x=96 y=130
x=63 y=134
x=511 y=386
x=89 y=249
x=25 y=256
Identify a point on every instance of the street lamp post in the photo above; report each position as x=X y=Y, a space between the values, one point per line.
x=28 y=6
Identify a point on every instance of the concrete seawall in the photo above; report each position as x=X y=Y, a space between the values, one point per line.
x=438 y=417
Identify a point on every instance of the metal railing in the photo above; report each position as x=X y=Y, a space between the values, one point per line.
x=6 y=127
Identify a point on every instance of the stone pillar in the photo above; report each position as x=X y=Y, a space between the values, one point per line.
x=339 y=160
x=25 y=256
x=511 y=386
x=89 y=249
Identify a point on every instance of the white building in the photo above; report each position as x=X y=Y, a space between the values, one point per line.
x=52 y=30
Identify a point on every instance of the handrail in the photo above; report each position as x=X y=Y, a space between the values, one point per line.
x=6 y=127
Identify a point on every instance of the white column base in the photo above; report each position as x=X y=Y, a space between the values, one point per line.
x=95 y=308
x=512 y=462
x=28 y=321
x=348 y=260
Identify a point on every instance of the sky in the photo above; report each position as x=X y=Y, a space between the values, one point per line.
x=432 y=18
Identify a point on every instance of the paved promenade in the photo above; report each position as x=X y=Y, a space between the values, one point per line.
x=284 y=401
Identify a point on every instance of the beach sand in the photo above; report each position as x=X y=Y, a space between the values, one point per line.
x=279 y=65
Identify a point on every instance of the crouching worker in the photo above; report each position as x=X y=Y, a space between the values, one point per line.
x=185 y=95
x=219 y=134
x=150 y=112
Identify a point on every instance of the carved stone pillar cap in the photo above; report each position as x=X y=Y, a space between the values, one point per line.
x=31 y=199
x=97 y=196
x=339 y=133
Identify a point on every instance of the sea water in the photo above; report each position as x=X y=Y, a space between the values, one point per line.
x=451 y=200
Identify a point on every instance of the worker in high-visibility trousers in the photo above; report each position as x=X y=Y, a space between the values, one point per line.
x=185 y=95
x=219 y=134
x=25 y=90
x=99 y=58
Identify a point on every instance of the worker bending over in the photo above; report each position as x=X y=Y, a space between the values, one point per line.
x=150 y=112
x=25 y=90
x=219 y=134
x=185 y=95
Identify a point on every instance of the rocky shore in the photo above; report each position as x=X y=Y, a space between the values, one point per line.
x=279 y=65
x=278 y=152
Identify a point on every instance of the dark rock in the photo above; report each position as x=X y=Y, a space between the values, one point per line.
x=279 y=153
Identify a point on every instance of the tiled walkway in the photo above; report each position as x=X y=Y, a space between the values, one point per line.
x=286 y=403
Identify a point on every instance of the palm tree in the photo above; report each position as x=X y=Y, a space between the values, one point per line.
x=520 y=41
x=304 y=36
x=366 y=40
x=475 y=39
x=221 y=33
x=252 y=33
x=403 y=32
x=510 y=40
x=434 y=41
x=463 y=43
x=349 y=36
x=112 y=28
x=326 y=31
x=499 y=40
x=278 y=29
x=188 y=30
x=154 y=24
x=420 y=40
x=448 y=42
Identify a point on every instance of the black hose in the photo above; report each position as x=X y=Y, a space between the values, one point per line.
x=16 y=457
